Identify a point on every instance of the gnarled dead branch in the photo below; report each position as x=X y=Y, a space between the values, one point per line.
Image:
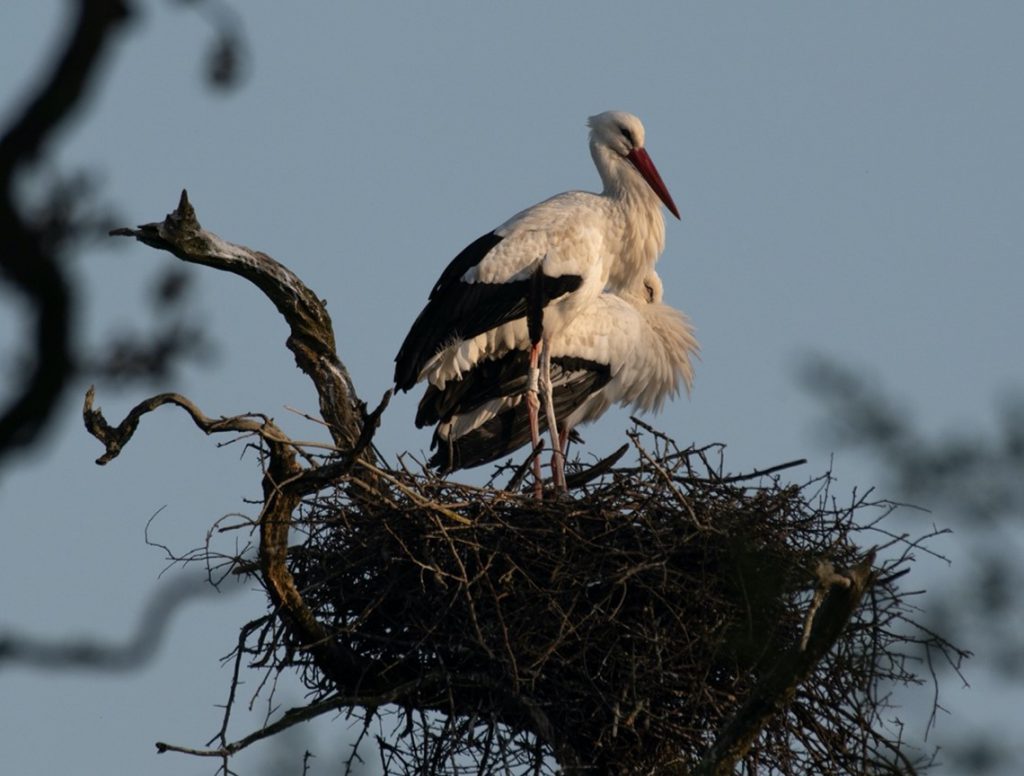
x=312 y=335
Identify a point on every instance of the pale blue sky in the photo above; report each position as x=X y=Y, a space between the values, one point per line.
x=850 y=181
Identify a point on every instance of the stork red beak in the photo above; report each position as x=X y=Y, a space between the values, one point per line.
x=639 y=158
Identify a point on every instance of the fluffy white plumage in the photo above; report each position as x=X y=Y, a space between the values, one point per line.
x=629 y=349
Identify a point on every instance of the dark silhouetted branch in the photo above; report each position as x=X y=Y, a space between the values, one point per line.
x=93 y=654
x=280 y=502
x=97 y=21
x=27 y=260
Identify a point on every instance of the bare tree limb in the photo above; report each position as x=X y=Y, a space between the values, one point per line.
x=287 y=720
x=275 y=519
x=115 y=438
x=312 y=336
x=312 y=342
x=294 y=716
x=283 y=489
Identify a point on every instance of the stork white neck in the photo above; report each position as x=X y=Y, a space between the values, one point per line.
x=633 y=193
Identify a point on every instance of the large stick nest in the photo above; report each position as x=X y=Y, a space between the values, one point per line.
x=617 y=631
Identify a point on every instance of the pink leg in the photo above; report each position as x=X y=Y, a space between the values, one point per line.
x=557 y=457
x=533 y=408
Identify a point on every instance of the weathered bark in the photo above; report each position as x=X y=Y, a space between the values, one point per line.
x=312 y=342
x=285 y=481
x=275 y=518
x=312 y=336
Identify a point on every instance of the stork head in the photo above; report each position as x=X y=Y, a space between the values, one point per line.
x=645 y=290
x=617 y=135
x=654 y=290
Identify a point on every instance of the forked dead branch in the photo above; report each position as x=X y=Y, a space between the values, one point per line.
x=667 y=618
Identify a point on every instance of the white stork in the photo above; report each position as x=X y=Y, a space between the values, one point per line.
x=555 y=256
x=627 y=349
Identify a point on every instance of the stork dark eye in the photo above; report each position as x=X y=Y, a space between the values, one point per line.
x=628 y=135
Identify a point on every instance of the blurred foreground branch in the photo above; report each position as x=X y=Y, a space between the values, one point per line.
x=29 y=260
x=95 y=654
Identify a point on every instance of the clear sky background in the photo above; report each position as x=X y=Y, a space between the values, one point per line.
x=851 y=181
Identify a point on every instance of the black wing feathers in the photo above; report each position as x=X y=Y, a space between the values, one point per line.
x=497 y=437
x=492 y=379
x=468 y=258
x=573 y=380
x=458 y=310
x=457 y=313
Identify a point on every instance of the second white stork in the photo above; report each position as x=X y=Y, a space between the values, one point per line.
x=628 y=349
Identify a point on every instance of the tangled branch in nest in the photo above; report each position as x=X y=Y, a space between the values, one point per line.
x=622 y=631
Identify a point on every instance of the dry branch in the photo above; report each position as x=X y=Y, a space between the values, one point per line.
x=312 y=336
x=115 y=438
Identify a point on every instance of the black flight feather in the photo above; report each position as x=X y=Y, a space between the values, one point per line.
x=573 y=381
x=458 y=310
